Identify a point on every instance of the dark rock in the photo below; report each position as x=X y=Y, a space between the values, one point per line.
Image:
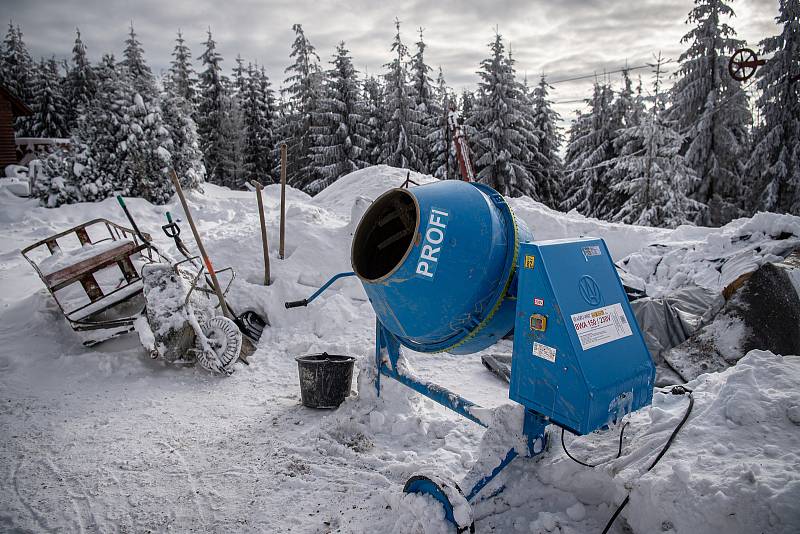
x=763 y=314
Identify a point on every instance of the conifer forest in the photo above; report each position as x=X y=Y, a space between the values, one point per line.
x=692 y=146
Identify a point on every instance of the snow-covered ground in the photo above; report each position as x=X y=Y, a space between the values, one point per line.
x=107 y=439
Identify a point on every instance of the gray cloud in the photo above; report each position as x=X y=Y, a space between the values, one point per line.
x=561 y=39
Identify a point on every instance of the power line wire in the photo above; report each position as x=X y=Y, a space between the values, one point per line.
x=595 y=74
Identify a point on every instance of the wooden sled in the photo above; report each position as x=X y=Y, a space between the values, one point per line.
x=106 y=308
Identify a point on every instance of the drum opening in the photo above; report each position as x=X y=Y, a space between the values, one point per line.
x=385 y=235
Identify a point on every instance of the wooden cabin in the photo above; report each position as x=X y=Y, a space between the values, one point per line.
x=11 y=107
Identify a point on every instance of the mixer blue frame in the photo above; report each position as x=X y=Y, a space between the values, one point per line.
x=448 y=267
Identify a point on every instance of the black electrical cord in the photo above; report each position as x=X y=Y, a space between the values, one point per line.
x=676 y=390
x=619 y=452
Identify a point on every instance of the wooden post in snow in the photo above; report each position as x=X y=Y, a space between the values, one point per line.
x=283 y=200
x=264 y=244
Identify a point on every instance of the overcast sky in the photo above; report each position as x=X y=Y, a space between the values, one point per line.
x=559 y=38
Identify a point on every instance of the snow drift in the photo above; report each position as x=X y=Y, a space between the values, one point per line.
x=108 y=439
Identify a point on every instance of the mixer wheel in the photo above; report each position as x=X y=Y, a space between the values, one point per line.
x=457 y=509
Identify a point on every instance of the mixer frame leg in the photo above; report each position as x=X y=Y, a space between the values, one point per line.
x=388 y=362
x=534 y=428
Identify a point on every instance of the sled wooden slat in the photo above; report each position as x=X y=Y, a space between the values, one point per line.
x=128 y=270
x=90 y=286
x=74 y=273
x=83 y=236
x=52 y=246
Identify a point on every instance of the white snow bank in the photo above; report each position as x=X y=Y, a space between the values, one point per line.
x=735 y=467
x=713 y=258
x=546 y=223
x=106 y=437
x=370 y=183
x=16 y=180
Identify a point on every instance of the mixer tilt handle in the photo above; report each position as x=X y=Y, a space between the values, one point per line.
x=318 y=292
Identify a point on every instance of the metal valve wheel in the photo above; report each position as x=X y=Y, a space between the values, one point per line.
x=743 y=64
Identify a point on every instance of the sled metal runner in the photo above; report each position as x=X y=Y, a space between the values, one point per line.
x=116 y=245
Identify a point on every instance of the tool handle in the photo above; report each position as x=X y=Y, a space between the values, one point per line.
x=130 y=220
x=171 y=229
x=318 y=292
x=217 y=288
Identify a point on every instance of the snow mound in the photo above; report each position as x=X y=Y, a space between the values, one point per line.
x=106 y=437
x=713 y=258
x=370 y=183
x=547 y=223
x=735 y=467
x=732 y=468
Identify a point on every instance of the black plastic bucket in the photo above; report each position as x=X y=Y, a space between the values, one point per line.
x=325 y=379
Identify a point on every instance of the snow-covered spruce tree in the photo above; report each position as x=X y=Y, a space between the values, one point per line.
x=92 y=168
x=627 y=108
x=304 y=86
x=186 y=157
x=403 y=142
x=775 y=161
x=441 y=151
x=81 y=84
x=625 y=112
x=51 y=186
x=373 y=111
x=546 y=165
x=240 y=77
x=136 y=67
x=17 y=73
x=210 y=110
x=711 y=110
x=49 y=105
x=589 y=152
x=258 y=106
x=427 y=105
x=504 y=133
x=649 y=172
x=232 y=132
x=533 y=141
x=181 y=79
x=338 y=142
x=468 y=104
x=144 y=151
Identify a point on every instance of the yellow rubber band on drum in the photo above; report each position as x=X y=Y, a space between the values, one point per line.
x=502 y=296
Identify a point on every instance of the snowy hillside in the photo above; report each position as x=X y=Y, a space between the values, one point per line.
x=106 y=439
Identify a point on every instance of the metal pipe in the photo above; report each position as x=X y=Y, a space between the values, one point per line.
x=283 y=200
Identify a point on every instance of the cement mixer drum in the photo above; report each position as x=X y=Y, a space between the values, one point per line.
x=438 y=265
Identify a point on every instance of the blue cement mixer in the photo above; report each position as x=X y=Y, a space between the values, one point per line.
x=448 y=268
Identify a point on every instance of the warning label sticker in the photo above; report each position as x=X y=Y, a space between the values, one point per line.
x=601 y=326
x=543 y=351
x=593 y=250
